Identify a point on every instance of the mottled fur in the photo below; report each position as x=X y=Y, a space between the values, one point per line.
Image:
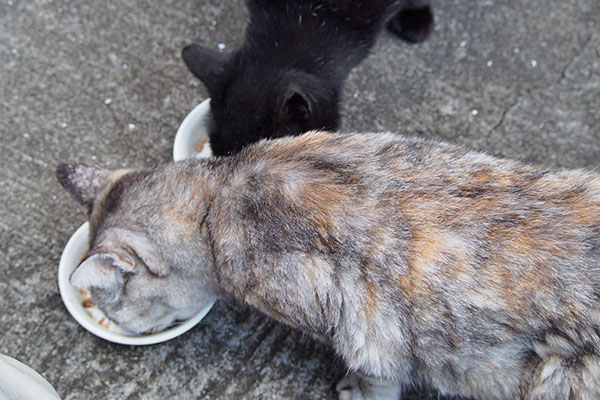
x=419 y=262
x=288 y=75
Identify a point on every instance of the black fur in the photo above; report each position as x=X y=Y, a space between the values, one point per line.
x=288 y=75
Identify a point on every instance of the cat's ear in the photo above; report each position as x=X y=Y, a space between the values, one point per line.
x=413 y=25
x=294 y=106
x=206 y=64
x=101 y=270
x=81 y=181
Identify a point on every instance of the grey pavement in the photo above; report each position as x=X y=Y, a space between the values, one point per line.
x=103 y=82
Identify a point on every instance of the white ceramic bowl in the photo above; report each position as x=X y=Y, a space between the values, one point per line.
x=72 y=256
x=192 y=130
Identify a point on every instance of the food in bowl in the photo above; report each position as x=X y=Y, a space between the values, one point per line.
x=200 y=145
x=92 y=310
x=191 y=140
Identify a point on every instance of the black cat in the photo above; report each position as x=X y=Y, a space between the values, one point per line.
x=288 y=76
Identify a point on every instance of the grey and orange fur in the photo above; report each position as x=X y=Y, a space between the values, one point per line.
x=420 y=263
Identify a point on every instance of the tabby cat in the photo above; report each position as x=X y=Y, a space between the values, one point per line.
x=420 y=263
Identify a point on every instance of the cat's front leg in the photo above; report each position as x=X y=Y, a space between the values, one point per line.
x=361 y=387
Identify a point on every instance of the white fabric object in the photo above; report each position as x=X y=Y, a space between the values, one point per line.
x=19 y=382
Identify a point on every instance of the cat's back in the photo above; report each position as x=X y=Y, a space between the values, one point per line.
x=435 y=255
x=311 y=33
x=425 y=166
x=355 y=14
x=441 y=209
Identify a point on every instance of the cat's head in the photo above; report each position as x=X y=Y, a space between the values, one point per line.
x=135 y=270
x=251 y=100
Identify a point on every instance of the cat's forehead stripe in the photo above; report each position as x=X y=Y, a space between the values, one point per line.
x=109 y=198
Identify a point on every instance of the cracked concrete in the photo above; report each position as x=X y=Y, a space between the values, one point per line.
x=567 y=105
x=103 y=82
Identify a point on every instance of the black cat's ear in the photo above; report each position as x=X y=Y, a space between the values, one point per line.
x=412 y=25
x=81 y=181
x=295 y=106
x=206 y=64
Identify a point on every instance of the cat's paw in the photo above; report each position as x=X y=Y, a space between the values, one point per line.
x=359 y=387
x=348 y=388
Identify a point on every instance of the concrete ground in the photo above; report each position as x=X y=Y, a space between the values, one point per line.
x=103 y=82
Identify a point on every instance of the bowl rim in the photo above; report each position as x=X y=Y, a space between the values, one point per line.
x=180 y=151
x=69 y=260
